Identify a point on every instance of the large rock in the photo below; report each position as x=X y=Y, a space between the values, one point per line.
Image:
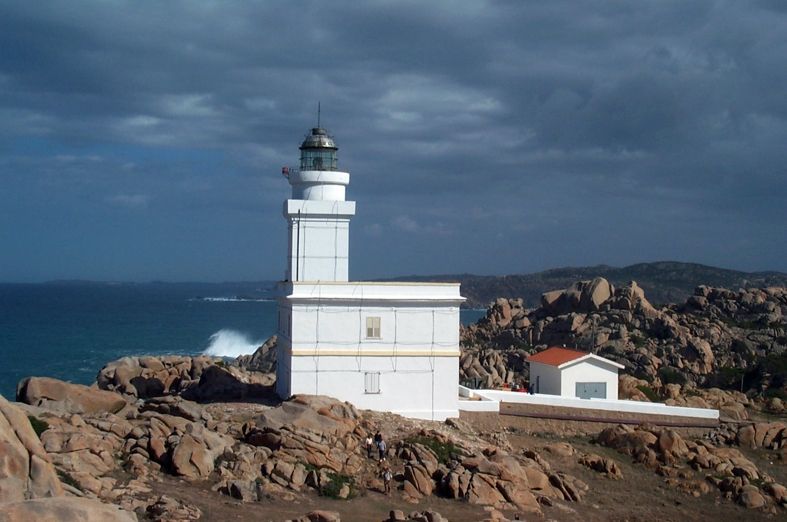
x=193 y=456
x=229 y=383
x=57 y=395
x=752 y=498
x=146 y=377
x=25 y=468
x=262 y=360
x=602 y=464
x=596 y=294
x=312 y=412
x=63 y=509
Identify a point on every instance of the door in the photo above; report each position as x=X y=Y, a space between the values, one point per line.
x=591 y=390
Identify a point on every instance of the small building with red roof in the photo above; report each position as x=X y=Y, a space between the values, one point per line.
x=573 y=373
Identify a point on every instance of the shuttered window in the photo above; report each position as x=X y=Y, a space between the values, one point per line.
x=372 y=382
x=372 y=327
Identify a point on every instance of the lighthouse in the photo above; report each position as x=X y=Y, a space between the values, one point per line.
x=384 y=346
x=318 y=217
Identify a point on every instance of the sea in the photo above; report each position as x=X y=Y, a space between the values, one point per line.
x=69 y=330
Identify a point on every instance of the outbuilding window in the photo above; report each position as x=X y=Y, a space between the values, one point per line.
x=372 y=382
x=372 y=327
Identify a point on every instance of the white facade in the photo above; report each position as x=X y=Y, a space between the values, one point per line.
x=381 y=346
x=318 y=222
x=572 y=378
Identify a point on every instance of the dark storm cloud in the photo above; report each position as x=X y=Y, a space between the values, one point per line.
x=142 y=140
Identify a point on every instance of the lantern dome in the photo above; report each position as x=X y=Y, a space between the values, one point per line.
x=318 y=151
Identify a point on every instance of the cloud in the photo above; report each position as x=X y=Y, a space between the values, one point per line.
x=607 y=133
x=405 y=223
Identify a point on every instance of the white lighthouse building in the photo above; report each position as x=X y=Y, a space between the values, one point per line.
x=385 y=346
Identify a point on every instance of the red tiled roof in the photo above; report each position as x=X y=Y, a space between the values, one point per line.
x=555 y=356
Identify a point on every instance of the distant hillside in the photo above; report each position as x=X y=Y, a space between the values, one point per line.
x=663 y=281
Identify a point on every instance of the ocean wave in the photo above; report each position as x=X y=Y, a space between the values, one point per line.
x=230 y=343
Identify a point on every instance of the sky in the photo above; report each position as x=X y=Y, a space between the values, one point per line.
x=144 y=140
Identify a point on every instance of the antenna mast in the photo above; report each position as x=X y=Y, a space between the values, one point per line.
x=318 y=114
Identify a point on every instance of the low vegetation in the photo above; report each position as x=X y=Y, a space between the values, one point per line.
x=332 y=488
x=671 y=376
x=649 y=393
x=445 y=451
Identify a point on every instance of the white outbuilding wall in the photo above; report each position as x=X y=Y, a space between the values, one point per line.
x=589 y=371
x=562 y=380
x=545 y=378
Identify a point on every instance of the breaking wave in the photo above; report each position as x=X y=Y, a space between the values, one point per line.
x=230 y=343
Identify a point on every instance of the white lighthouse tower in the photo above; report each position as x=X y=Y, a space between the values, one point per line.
x=383 y=346
x=318 y=216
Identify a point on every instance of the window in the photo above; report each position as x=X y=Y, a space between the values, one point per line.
x=372 y=327
x=371 y=382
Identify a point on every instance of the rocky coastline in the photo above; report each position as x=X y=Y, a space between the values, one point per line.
x=203 y=438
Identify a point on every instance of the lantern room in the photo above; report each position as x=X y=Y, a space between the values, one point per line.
x=318 y=151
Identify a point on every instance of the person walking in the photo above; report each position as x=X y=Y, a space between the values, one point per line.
x=369 y=446
x=381 y=447
x=387 y=475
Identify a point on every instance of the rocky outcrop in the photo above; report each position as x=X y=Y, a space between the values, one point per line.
x=312 y=412
x=57 y=395
x=428 y=515
x=229 y=383
x=716 y=338
x=582 y=296
x=496 y=478
x=665 y=451
x=168 y=509
x=319 y=516
x=63 y=508
x=30 y=488
x=201 y=378
x=262 y=360
x=604 y=465
x=770 y=436
x=26 y=471
x=150 y=376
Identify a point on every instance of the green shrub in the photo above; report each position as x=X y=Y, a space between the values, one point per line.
x=726 y=378
x=670 y=375
x=777 y=393
x=335 y=483
x=649 y=393
x=638 y=340
x=310 y=467
x=39 y=426
x=445 y=451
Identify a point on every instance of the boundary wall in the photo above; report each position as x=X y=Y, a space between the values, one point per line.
x=570 y=408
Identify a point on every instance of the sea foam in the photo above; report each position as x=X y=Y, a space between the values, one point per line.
x=231 y=343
